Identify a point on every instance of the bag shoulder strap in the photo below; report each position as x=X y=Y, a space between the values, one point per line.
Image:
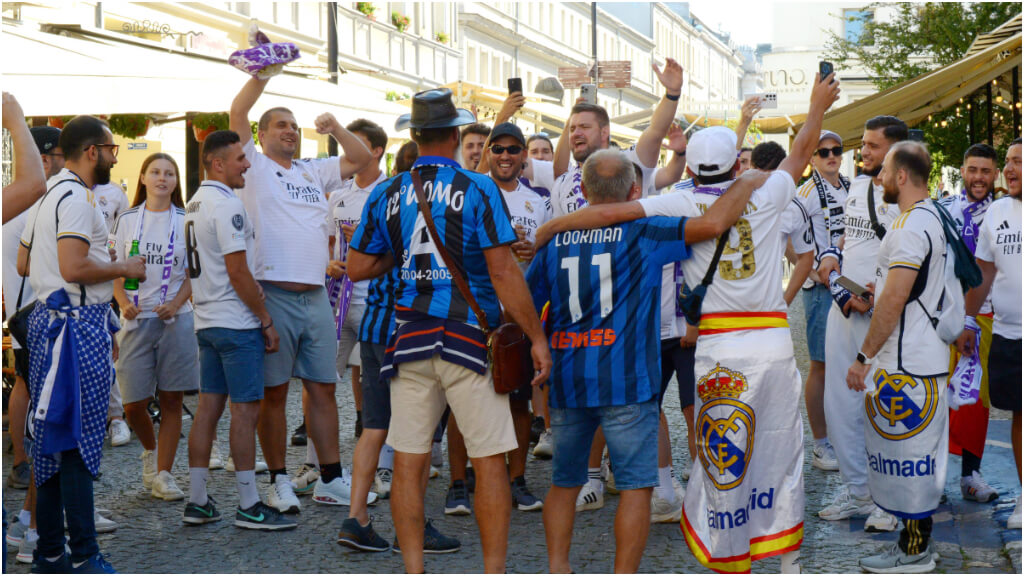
x=32 y=238
x=709 y=276
x=456 y=272
x=878 y=228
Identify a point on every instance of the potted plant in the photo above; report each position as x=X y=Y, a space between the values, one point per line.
x=206 y=123
x=58 y=121
x=400 y=21
x=366 y=8
x=131 y=126
x=441 y=37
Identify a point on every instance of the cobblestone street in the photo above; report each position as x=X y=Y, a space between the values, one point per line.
x=970 y=537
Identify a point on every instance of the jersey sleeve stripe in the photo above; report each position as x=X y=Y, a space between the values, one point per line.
x=75 y=235
x=910 y=265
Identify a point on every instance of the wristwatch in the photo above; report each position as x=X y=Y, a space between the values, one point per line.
x=863 y=359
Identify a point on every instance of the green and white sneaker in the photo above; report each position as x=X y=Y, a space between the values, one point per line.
x=196 y=514
x=892 y=560
x=262 y=517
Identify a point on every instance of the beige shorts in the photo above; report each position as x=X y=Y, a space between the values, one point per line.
x=419 y=392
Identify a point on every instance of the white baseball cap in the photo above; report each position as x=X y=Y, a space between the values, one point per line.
x=712 y=151
x=828 y=134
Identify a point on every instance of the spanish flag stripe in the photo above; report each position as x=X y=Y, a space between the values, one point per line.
x=734 y=564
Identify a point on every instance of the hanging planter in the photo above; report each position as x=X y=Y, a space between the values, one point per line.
x=441 y=37
x=206 y=123
x=366 y=8
x=130 y=126
x=400 y=21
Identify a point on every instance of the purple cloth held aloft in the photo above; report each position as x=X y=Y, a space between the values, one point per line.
x=265 y=60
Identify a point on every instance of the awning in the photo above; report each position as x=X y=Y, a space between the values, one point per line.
x=914 y=100
x=58 y=75
x=768 y=125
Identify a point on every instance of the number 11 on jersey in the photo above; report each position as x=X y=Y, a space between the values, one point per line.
x=604 y=268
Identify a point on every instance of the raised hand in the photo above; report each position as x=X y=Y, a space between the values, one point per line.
x=676 y=138
x=326 y=123
x=671 y=76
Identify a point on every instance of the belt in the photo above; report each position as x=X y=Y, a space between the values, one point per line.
x=722 y=322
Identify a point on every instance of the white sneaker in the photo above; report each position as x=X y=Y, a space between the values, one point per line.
x=1013 y=523
x=103 y=524
x=165 y=488
x=26 y=548
x=677 y=487
x=880 y=521
x=892 y=560
x=305 y=479
x=975 y=488
x=382 y=483
x=337 y=492
x=591 y=497
x=259 y=468
x=544 y=449
x=119 y=432
x=846 y=506
x=281 y=496
x=216 y=460
x=825 y=458
x=148 y=468
x=664 y=510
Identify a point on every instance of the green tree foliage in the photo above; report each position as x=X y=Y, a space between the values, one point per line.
x=918 y=38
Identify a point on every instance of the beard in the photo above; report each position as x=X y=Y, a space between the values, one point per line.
x=874 y=172
x=102 y=173
x=890 y=195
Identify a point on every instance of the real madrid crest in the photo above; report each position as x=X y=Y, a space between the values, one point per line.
x=725 y=427
x=901 y=406
x=307 y=176
x=529 y=207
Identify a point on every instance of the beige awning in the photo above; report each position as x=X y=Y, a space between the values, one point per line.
x=58 y=75
x=914 y=100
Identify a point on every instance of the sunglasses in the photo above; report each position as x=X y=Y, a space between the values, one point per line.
x=835 y=151
x=498 y=150
x=114 y=148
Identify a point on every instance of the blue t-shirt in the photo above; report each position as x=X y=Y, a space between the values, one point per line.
x=470 y=215
x=605 y=317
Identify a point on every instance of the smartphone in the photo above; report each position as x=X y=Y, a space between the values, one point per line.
x=916 y=135
x=768 y=100
x=589 y=93
x=515 y=85
x=854 y=288
x=824 y=69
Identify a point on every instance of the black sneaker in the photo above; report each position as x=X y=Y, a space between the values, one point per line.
x=41 y=565
x=196 y=514
x=536 y=429
x=522 y=498
x=359 y=424
x=262 y=517
x=299 y=436
x=456 y=503
x=433 y=542
x=358 y=537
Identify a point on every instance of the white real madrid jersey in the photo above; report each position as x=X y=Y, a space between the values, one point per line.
x=860 y=249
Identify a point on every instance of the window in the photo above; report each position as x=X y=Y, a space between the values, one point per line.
x=855 y=22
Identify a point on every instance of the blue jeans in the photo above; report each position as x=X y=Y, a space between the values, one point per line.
x=69 y=492
x=817 y=302
x=631 y=432
x=231 y=362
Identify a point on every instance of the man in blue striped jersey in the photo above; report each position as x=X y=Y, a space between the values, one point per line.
x=439 y=352
x=604 y=287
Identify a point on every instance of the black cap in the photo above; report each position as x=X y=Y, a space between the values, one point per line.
x=47 y=138
x=508 y=129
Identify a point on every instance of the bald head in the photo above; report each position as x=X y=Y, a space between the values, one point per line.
x=607 y=177
x=913 y=158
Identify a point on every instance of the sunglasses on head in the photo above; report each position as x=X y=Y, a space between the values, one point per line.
x=835 y=151
x=498 y=149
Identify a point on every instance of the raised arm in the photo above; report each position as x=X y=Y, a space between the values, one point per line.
x=512 y=104
x=672 y=172
x=594 y=216
x=824 y=93
x=30 y=180
x=751 y=106
x=355 y=155
x=238 y=117
x=649 y=145
x=724 y=212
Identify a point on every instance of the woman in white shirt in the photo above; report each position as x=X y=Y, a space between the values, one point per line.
x=158 y=350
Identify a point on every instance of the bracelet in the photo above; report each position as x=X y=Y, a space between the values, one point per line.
x=268 y=326
x=681 y=154
x=673 y=97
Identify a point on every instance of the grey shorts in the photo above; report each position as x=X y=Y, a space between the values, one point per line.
x=348 y=343
x=157 y=356
x=308 y=339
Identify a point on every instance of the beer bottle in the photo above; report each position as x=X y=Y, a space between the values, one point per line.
x=132 y=283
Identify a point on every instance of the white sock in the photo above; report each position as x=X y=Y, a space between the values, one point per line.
x=311 y=454
x=791 y=562
x=248 y=496
x=197 y=486
x=821 y=442
x=25 y=517
x=664 y=488
x=386 y=458
x=31 y=535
